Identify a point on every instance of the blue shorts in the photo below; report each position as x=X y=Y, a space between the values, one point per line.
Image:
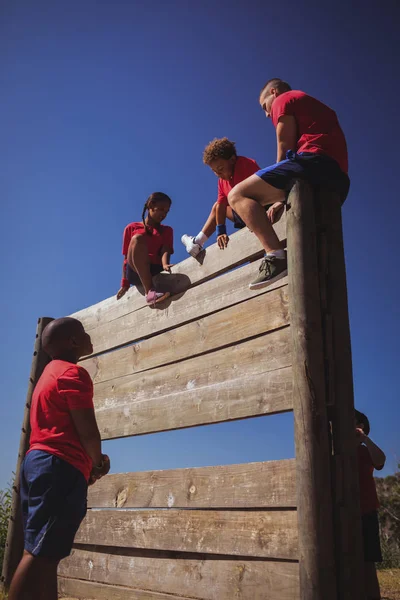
x=134 y=278
x=317 y=169
x=54 y=500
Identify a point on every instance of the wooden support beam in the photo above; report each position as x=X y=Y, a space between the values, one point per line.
x=15 y=539
x=316 y=556
x=337 y=344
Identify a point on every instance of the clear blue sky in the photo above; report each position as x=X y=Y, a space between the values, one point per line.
x=103 y=102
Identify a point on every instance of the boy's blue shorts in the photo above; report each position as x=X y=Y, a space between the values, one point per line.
x=317 y=169
x=54 y=500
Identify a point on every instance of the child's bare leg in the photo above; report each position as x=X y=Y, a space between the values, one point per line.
x=23 y=583
x=211 y=223
x=371 y=581
x=248 y=199
x=138 y=258
x=34 y=579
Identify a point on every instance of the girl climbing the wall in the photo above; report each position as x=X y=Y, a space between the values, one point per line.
x=147 y=247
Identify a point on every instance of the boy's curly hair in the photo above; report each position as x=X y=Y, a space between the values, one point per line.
x=219 y=148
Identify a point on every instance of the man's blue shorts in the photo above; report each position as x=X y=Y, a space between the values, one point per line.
x=317 y=169
x=54 y=500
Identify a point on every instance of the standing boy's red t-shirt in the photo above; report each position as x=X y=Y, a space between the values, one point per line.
x=368 y=497
x=244 y=167
x=318 y=127
x=62 y=387
x=156 y=239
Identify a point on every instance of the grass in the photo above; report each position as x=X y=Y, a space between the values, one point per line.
x=389 y=580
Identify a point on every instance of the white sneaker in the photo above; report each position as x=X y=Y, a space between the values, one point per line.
x=190 y=245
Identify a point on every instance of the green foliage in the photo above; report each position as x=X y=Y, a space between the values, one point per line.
x=388 y=489
x=5 y=512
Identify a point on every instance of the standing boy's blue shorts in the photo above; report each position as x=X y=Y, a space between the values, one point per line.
x=54 y=502
x=317 y=169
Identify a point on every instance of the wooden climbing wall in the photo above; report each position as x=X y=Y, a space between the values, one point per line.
x=215 y=352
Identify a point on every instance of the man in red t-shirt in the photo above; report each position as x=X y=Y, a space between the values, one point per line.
x=63 y=456
x=220 y=155
x=370 y=457
x=310 y=146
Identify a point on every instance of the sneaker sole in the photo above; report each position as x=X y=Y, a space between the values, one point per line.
x=257 y=286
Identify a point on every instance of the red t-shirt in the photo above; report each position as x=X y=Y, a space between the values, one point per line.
x=317 y=124
x=164 y=236
x=244 y=167
x=368 y=496
x=62 y=387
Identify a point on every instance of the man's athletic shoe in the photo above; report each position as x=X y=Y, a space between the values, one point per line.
x=153 y=297
x=271 y=269
x=191 y=246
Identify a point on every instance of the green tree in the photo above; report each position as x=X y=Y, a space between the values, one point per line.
x=5 y=512
x=388 y=489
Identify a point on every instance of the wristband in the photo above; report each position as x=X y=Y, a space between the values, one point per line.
x=125 y=283
x=221 y=230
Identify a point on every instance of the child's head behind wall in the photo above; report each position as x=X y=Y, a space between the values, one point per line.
x=362 y=422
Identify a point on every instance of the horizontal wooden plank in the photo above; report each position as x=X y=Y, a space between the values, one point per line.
x=243 y=246
x=255 y=485
x=248 y=379
x=75 y=589
x=258 y=315
x=222 y=578
x=216 y=294
x=268 y=534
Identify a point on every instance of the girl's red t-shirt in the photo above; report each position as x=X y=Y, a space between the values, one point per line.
x=156 y=239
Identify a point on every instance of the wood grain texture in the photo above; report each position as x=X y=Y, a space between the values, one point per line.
x=317 y=564
x=75 y=589
x=268 y=534
x=251 y=485
x=218 y=578
x=216 y=294
x=261 y=314
x=243 y=246
x=337 y=342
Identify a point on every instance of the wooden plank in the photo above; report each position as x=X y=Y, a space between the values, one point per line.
x=317 y=565
x=249 y=379
x=268 y=534
x=256 y=485
x=258 y=315
x=75 y=589
x=349 y=551
x=243 y=246
x=198 y=576
x=217 y=294
x=14 y=545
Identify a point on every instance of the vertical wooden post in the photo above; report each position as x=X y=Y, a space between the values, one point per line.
x=347 y=521
x=15 y=542
x=314 y=501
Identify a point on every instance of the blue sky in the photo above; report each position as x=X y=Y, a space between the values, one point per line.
x=104 y=102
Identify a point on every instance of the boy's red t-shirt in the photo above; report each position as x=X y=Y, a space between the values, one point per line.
x=318 y=127
x=244 y=167
x=368 y=497
x=62 y=387
x=164 y=236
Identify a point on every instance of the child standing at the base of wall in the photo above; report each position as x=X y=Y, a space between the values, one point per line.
x=63 y=457
x=147 y=246
x=370 y=457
